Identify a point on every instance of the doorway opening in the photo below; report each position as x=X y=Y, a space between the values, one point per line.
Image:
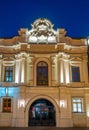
x=42 y=113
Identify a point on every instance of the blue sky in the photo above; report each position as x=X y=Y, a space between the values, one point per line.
x=73 y=15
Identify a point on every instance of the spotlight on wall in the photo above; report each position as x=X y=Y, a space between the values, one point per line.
x=62 y=103
x=21 y=103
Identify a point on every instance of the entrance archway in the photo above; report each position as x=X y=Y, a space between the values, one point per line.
x=41 y=113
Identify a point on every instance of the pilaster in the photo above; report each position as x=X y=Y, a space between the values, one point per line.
x=0 y=70
x=85 y=70
x=65 y=108
x=87 y=109
x=54 y=71
x=67 y=74
x=17 y=71
x=23 y=70
x=30 y=71
x=62 y=71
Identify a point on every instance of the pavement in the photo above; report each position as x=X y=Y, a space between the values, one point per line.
x=43 y=128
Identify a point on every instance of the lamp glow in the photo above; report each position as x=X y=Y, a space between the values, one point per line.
x=62 y=103
x=21 y=103
x=10 y=91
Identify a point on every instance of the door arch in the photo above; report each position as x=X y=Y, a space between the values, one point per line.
x=42 y=113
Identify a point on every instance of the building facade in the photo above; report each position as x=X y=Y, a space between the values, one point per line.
x=44 y=78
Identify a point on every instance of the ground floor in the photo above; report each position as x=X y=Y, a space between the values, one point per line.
x=50 y=107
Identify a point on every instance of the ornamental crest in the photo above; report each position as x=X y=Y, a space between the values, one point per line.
x=42 y=32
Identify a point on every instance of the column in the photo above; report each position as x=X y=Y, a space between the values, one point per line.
x=54 y=71
x=67 y=74
x=0 y=71
x=53 y=75
x=23 y=70
x=30 y=71
x=85 y=71
x=17 y=71
x=61 y=71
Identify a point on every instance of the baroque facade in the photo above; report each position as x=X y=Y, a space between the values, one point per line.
x=43 y=78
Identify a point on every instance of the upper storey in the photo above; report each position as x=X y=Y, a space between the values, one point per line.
x=41 y=32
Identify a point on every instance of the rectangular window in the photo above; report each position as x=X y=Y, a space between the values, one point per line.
x=77 y=105
x=6 y=105
x=75 y=74
x=8 y=74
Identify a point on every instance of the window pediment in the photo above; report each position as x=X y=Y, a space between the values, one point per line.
x=8 y=61
x=75 y=59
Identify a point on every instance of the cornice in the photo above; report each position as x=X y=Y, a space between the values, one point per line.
x=43 y=48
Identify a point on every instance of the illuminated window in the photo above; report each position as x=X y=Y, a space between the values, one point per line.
x=77 y=105
x=75 y=74
x=42 y=73
x=8 y=74
x=6 y=105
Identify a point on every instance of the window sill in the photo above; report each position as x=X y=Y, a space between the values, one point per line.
x=7 y=84
x=77 y=84
x=6 y=113
x=78 y=113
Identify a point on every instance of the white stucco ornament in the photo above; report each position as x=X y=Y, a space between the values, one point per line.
x=42 y=32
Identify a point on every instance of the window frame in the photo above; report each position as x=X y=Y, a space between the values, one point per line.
x=44 y=66
x=7 y=105
x=9 y=73
x=76 y=74
x=77 y=103
x=76 y=64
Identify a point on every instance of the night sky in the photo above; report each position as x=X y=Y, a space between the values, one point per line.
x=73 y=15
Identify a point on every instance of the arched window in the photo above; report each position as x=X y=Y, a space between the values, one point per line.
x=42 y=73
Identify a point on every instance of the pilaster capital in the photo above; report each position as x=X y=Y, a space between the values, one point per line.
x=31 y=59
x=63 y=56
x=21 y=55
x=53 y=59
x=1 y=56
x=85 y=57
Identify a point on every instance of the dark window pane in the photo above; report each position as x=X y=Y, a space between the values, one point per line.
x=42 y=73
x=75 y=74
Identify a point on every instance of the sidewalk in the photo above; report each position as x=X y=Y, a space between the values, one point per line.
x=43 y=128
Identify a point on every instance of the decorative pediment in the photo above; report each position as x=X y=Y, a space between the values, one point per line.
x=76 y=59
x=8 y=59
x=42 y=32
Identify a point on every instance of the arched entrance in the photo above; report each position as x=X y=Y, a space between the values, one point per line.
x=41 y=113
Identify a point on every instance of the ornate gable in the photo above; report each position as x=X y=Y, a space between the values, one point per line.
x=42 y=32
